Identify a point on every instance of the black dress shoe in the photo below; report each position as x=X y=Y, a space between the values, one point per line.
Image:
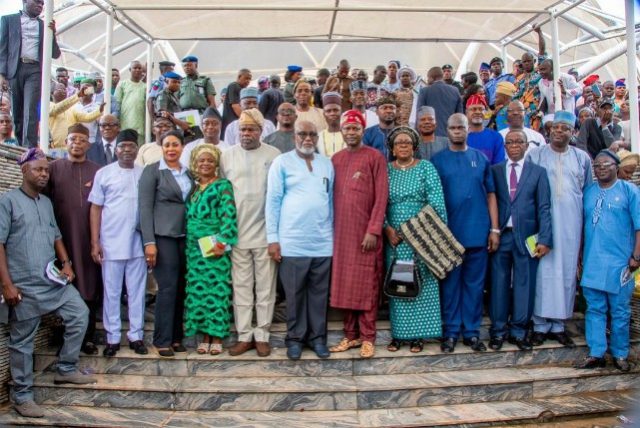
x=138 y=347
x=538 y=338
x=448 y=345
x=496 y=343
x=89 y=348
x=522 y=344
x=110 y=350
x=591 y=363
x=178 y=347
x=563 y=339
x=475 y=344
x=622 y=364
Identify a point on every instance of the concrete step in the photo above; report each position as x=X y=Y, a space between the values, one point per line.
x=303 y=393
x=349 y=363
x=532 y=411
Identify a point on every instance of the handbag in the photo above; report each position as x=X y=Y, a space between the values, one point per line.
x=403 y=279
x=432 y=241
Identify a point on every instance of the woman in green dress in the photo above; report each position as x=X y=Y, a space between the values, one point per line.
x=211 y=212
x=413 y=184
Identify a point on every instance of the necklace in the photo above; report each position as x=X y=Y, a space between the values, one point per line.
x=405 y=166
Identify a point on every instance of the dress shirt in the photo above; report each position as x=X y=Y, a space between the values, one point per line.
x=181 y=176
x=111 y=147
x=518 y=174
x=30 y=32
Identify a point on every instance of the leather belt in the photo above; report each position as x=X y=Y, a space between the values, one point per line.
x=28 y=61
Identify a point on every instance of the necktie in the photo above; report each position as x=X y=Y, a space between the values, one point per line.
x=513 y=181
x=107 y=152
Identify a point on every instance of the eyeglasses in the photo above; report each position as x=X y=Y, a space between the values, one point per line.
x=603 y=165
x=513 y=143
x=78 y=139
x=305 y=135
x=109 y=125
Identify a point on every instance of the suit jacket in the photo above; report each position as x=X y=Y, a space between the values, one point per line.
x=96 y=153
x=11 y=44
x=530 y=209
x=162 y=210
x=445 y=99
x=592 y=137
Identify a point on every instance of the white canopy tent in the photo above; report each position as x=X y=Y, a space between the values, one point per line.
x=265 y=36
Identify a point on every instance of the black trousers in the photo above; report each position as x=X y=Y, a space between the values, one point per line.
x=25 y=94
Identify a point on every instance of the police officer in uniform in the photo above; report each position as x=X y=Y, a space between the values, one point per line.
x=167 y=103
x=196 y=91
x=158 y=85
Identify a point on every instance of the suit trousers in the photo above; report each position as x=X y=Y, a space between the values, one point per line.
x=253 y=274
x=134 y=273
x=306 y=287
x=513 y=288
x=74 y=314
x=170 y=273
x=599 y=303
x=462 y=293
x=25 y=89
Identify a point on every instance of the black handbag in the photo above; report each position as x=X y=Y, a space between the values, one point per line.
x=403 y=279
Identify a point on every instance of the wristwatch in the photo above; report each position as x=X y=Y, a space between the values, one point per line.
x=495 y=231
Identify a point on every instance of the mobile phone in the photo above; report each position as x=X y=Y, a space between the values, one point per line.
x=596 y=90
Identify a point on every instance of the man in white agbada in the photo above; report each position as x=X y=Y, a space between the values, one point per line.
x=248 y=100
x=246 y=165
x=116 y=243
x=569 y=88
x=569 y=171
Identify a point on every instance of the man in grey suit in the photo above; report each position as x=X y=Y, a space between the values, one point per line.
x=524 y=209
x=21 y=36
x=445 y=99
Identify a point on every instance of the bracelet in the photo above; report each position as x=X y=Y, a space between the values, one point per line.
x=497 y=231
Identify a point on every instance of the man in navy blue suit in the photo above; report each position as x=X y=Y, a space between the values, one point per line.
x=524 y=209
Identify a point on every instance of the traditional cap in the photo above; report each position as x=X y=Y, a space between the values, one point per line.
x=127 y=135
x=358 y=85
x=604 y=101
x=88 y=81
x=77 y=79
x=33 y=154
x=203 y=148
x=387 y=99
x=484 y=66
x=158 y=119
x=628 y=158
x=211 y=112
x=78 y=128
x=168 y=63
x=248 y=93
x=394 y=61
x=294 y=68
x=562 y=116
x=547 y=118
x=621 y=82
x=591 y=79
x=477 y=99
x=251 y=116
x=425 y=110
x=410 y=70
x=190 y=58
x=352 y=116
x=607 y=152
x=331 y=98
x=506 y=88
x=323 y=72
x=415 y=138
x=172 y=75
x=495 y=59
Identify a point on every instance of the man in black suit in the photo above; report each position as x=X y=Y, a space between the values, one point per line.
x=21 y=36
x=102 y=151
x=597 y=133
x=444 y=98
x=524 y=209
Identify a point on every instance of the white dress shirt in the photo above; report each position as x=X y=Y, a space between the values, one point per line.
x=30 y=32
x=518 y=168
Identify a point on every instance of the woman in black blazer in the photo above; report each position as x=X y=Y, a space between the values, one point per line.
x=163 y=188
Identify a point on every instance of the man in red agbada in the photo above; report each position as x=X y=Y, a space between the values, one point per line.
x=361 y=191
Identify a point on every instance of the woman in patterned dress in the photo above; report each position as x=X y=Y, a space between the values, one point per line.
x=413 y=184
x=211 y=211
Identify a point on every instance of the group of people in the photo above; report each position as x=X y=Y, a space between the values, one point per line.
x=305 y=188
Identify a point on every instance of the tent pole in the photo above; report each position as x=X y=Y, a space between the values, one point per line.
x=557 y=94
x=45 y=88
x=632 y=80
x=147 y=121
x=503 y=55
x=108 y=52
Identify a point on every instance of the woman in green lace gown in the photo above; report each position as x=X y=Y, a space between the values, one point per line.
x=211 y=211
x=413 y=183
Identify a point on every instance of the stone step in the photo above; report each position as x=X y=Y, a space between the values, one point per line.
x=334 y=332
x=468 y=415
x=331 y=392
x=349 y=363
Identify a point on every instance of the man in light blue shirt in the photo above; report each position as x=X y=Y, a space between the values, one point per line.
x=497 y=76
x=299 y=220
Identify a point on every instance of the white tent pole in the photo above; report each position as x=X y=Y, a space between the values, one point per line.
x=595 y=32
x=108 y=52
x=73 y=22
x=632 y=80
x=503 y=55
x=555 y=53
x=45 y=92
x=147 y=116
x=607 y=56
x=467 y=58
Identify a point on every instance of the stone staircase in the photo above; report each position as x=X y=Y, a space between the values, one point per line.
x=392 y=389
